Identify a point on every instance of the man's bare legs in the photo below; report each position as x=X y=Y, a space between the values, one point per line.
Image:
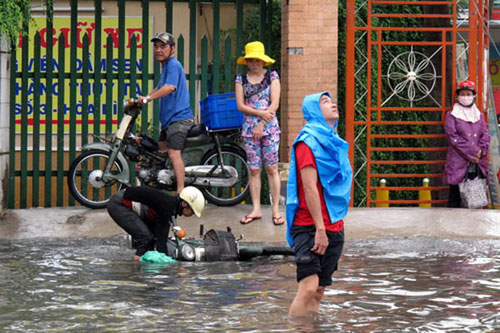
x=177 y=163
x=179 y=170
x=308 y=297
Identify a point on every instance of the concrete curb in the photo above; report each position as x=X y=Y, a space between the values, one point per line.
x=360 y=223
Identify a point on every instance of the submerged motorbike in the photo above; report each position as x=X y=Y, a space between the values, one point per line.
x=215 y=163
x=216 y=245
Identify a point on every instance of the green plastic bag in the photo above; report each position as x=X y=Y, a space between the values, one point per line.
x=156 y=257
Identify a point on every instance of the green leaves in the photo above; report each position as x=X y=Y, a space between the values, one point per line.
x=13 y=14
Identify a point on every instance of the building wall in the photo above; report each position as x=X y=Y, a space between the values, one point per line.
x=4 y=117
x=309 y=60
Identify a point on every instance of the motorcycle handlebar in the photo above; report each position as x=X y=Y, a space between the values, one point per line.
x=132 y=106
x=145 y=100
x=131 y=102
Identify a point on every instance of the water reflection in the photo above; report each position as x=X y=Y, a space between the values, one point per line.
x=424 y=285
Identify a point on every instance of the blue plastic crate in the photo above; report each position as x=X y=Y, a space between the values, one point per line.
x=220 y=112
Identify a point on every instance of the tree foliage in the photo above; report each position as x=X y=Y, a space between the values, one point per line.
x=251 y=30
x=13 y=14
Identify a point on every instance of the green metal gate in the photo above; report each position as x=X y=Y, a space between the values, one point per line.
x=60 y=102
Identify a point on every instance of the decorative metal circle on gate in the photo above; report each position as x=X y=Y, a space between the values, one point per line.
x=411 y=76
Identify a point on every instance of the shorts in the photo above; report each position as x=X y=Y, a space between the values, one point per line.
x=266 y=149
x=176 y=133
x=310 y=263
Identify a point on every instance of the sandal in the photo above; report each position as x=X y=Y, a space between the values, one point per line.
x=248 y=219
x=278 y=220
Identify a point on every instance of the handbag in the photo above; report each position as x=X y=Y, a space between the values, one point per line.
x=473 y=191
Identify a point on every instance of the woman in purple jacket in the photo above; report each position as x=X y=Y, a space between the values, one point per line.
x=468 y=140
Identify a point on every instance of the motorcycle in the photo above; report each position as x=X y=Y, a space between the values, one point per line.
x=216 y=245
x=215 y=163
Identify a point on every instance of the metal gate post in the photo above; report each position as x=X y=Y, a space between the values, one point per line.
x=350 y=87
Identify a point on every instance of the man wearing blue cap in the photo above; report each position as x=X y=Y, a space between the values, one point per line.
x=318 y=195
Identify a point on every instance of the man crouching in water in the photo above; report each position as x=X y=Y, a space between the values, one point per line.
x=146 y=213
x=318 y=194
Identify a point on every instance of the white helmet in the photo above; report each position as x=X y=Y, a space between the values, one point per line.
x=194 y=198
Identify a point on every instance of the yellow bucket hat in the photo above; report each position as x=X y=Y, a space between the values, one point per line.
x=255 y=50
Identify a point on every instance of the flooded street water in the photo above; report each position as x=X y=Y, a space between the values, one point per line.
x=412 y=285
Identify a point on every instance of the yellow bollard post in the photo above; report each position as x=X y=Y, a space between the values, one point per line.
x=382 y=195
x=243 y=202
x=424 y=194
x=233 y=194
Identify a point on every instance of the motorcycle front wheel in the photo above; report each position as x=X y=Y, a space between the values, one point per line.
x=85 y=179
x=228 y=196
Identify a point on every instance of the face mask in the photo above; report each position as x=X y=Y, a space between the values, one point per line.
x=466 y=100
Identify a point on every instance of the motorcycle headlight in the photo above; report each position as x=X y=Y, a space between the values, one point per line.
x=187 y=252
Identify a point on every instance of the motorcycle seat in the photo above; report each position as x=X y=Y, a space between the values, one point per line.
x=195 y=130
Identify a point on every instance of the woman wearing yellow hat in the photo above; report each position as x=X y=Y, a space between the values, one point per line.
x=258 y=96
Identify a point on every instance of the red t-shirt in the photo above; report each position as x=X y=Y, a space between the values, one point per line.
x=304 y=157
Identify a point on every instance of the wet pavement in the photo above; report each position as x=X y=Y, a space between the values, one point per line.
x=402 y=270
x=361 y=223
x=413 y=284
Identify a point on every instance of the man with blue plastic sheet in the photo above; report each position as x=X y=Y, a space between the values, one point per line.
x=318 y=195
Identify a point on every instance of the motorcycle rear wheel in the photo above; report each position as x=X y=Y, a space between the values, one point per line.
x=228 y=196
x=84 y=183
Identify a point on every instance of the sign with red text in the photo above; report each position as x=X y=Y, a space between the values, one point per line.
x=85 y=26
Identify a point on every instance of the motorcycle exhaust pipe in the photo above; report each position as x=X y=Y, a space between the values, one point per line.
x=209 y=181
x=211 y=171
